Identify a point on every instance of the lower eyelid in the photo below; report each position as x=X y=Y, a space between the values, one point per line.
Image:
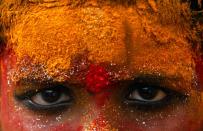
x=160 y=95
x=39 y=100
x=55 y=107
x=65 y=101
x=172 y=97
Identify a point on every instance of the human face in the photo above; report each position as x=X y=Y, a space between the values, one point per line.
x=100 y=66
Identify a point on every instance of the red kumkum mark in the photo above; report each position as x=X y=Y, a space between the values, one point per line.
x=97 y=79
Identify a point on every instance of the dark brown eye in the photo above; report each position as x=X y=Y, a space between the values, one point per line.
x=54 y=97
x=148 y=96
x=49 y=97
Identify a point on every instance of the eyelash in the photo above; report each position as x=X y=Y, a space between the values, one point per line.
x=27 y=99
x=171 y=97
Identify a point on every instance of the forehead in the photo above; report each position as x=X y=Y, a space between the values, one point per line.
x=139 y=36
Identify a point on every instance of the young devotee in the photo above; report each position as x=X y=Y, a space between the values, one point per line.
x=101 y=65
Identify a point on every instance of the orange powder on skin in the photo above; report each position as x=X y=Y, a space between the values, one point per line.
x=53 y=37
x=55 y=46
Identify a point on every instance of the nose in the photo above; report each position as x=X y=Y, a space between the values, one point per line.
x=98 y=124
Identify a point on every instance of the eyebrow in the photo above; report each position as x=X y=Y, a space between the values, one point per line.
x=175 y=83
x=24 y=85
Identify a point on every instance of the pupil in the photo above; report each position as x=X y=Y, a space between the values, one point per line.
x=147 y=93
x=51 y=96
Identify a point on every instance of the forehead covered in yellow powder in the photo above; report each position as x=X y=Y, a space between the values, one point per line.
x=145 y=37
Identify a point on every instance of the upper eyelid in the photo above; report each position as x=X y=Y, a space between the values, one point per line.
x=27 y=85
x=24 y=85
x=173 y=83
x=170 y=92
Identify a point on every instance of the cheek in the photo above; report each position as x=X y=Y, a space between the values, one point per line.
x=179 y=122
x=199 y=70
x=10 y=118
x=7 y=108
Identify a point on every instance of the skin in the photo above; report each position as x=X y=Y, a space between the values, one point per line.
x=110 y=43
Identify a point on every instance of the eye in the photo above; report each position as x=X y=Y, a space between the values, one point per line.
x=53 y=98
x=147 y=94
x=150 y=96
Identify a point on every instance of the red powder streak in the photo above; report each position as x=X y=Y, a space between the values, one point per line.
x=66 y=127
x=97 y=79
x=4 y=105
x=99 y=124
x=132 y=126
x=199 y=70
x=73 y=125
x=7 y=61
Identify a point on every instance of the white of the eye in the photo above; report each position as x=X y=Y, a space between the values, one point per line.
x=136 y=96
x=38 y=99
